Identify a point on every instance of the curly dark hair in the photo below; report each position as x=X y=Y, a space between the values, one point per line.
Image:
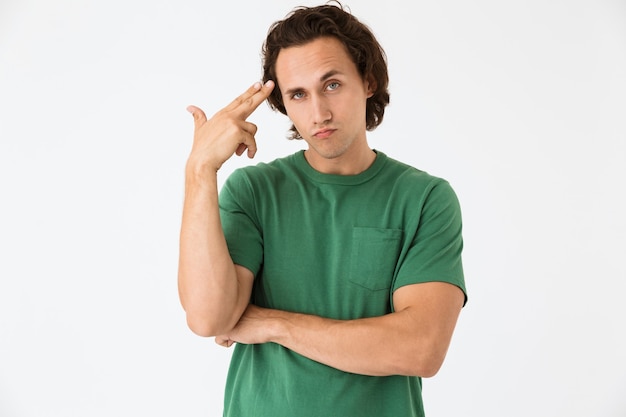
x=306 y=24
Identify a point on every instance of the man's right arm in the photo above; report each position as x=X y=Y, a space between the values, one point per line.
x=214 y=292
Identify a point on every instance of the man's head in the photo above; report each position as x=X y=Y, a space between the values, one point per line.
x=306 y=24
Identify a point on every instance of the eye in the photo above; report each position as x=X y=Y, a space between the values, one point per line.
x=332 y=86
x=298 y=95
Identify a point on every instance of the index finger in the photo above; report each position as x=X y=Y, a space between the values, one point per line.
x=247 y=103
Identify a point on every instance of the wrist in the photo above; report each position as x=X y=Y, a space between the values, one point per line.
x=200 y=173
x=276 y=325
x=285 y=327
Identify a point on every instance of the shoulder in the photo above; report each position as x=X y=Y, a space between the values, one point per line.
x=410 y=179
x=276 y=167
x=263 y=177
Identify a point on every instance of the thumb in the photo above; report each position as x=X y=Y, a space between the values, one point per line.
x=198 y=115
x=223 y=341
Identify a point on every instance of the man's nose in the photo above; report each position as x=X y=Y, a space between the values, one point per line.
x=321 y=111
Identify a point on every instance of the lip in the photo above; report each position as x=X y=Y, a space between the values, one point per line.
x=323 y=133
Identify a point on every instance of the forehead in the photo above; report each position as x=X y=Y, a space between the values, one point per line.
x=305 y=64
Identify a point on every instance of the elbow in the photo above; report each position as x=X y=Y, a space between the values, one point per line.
x=198 y=322
x=207 y=321
x=428 y=369
x=200 y=328
x=425 y=364
x=423 y=368
x=204 y=327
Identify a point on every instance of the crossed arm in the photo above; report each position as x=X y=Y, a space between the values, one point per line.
x=411 y=341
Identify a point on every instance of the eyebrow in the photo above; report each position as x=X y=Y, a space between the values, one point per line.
x=323 y=78
x=329 y=74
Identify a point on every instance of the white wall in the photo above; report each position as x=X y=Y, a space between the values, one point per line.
x=521 y=105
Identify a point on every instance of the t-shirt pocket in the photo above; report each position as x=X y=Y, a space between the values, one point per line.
x=375 y=253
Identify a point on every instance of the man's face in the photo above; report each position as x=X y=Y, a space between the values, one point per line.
x=325 y=98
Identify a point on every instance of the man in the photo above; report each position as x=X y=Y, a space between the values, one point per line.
x=336 y=270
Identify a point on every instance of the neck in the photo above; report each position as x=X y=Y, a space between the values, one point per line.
x=349 y=163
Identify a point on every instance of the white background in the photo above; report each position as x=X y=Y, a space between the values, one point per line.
x=520 y=105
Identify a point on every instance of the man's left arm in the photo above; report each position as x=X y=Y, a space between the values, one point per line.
x=413 y=340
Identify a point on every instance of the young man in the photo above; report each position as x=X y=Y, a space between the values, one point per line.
x=336 y=270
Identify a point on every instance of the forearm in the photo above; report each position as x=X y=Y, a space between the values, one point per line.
x=401 y=343
x=379 y=346
x=413 y=340
x=208 y=286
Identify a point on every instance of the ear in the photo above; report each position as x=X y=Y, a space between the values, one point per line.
x=370 y=85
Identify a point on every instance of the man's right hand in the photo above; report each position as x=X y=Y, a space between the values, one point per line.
x=227 y=132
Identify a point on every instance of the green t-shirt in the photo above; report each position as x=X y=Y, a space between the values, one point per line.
x=337 y=247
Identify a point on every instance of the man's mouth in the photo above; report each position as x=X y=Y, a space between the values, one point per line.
x=323 y=133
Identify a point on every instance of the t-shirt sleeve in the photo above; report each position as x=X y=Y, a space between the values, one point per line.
x=240 y=222
x=435 y=251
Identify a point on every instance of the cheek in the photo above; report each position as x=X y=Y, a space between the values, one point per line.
x=295 y=113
